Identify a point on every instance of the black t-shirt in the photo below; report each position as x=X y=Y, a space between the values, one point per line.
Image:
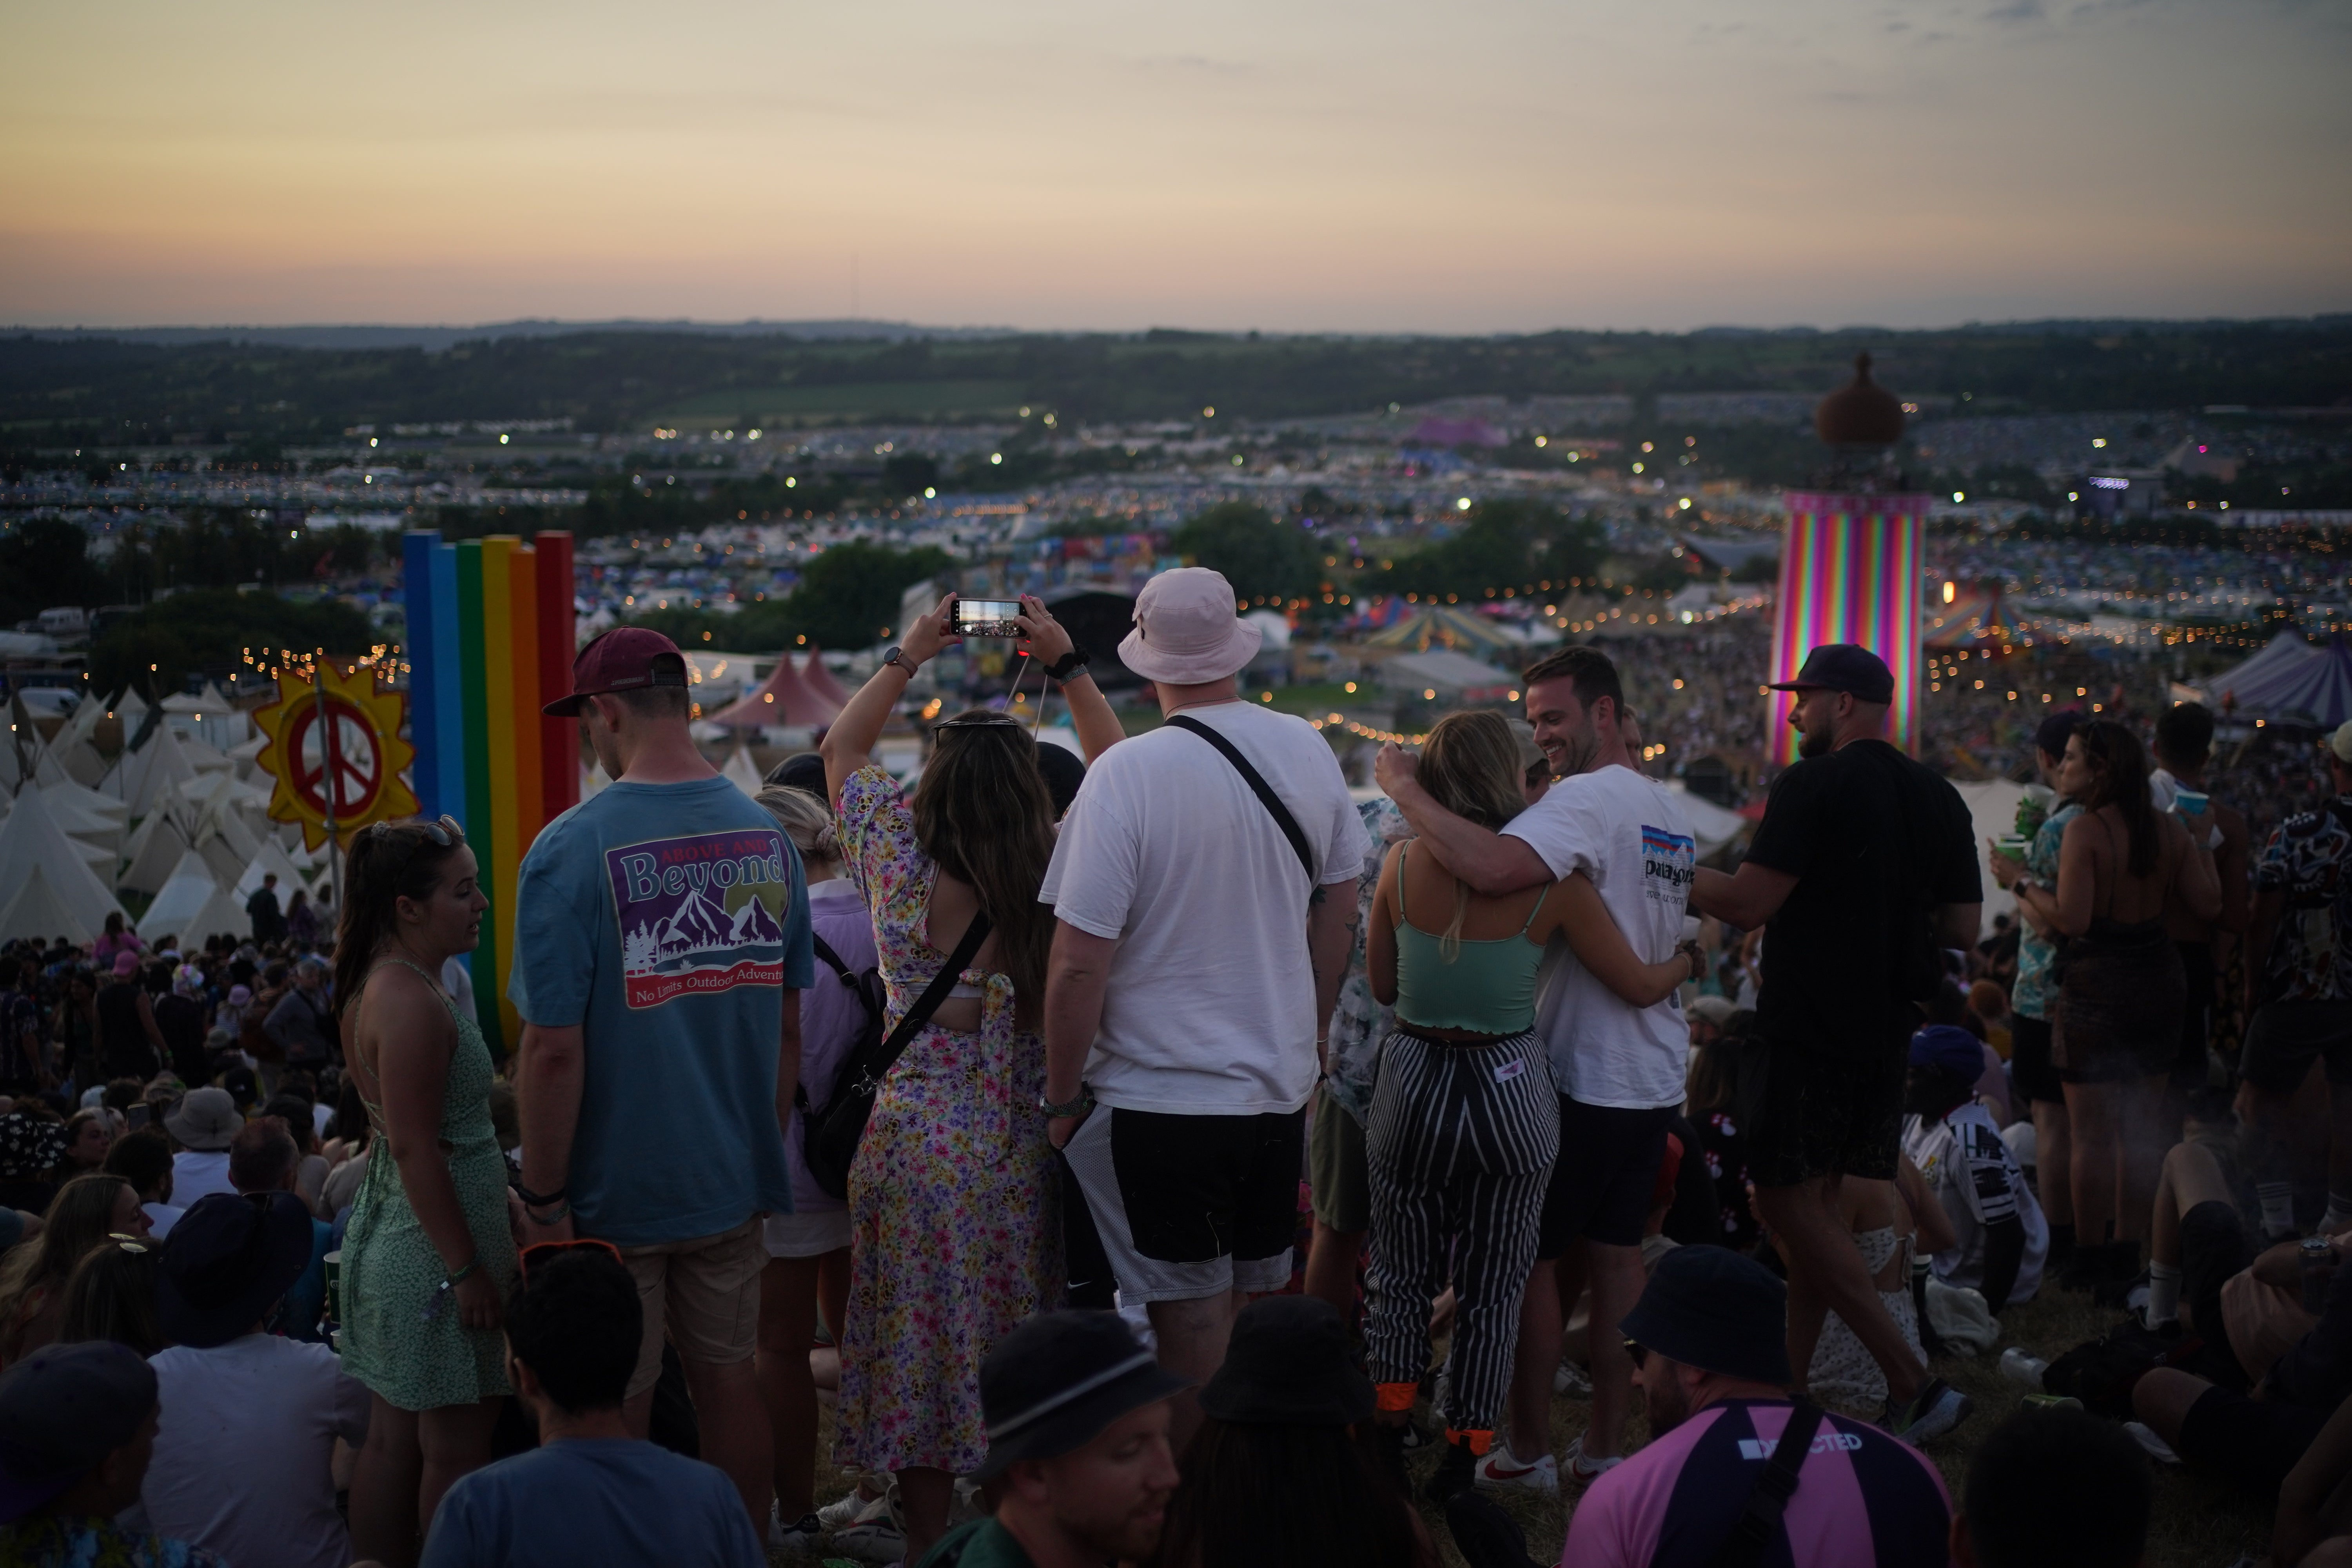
x=1876 y=842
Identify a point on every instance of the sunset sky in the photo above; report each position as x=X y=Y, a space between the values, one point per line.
x=1285 y=165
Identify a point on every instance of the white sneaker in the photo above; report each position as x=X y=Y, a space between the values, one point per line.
x=1500 y=1470
x=1571 y=1381
x=1580 y=1468
x=842 y=1512
x=802 y=1539
x=964 y=1507
x=2157 y=1448
x=875 y=1536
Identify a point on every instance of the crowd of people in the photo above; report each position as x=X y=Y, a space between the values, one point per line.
x=1111 y=1145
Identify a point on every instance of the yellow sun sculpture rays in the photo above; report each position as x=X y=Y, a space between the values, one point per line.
x=353 y=749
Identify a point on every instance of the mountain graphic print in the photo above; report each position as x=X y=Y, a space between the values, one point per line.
x=701 y=913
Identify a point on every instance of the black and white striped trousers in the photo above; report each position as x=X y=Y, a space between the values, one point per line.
x=1460 y=1148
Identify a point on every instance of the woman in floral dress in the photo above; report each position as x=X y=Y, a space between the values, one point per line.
x=955 y=1219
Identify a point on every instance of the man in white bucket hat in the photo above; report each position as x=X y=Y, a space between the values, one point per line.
x=1194 y=963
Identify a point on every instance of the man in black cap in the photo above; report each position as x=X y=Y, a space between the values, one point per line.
x=1864 y=867
x=1078 y=1460
x=1709 y=1347
x=77 y=1430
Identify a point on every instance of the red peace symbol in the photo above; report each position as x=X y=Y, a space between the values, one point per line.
x=353 y=764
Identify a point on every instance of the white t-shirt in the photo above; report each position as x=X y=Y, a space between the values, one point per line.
x=243 y=1451
x=199 y=1172
x=1210 y=1010
x=1633 y=838
x=162 y=1218
x=1979 y=1182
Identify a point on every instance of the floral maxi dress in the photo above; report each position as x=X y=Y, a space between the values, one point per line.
x=955 y=1225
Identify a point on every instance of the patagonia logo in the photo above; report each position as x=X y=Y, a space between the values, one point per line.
x=1669 y=865
x=1510 y=1069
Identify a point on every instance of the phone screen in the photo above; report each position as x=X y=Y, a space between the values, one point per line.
x=987 y=617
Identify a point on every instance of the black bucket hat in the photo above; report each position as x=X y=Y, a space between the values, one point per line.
x=226 y=1260
x=1287 y=1364
x=1717 y=1309
x=1051 y=1384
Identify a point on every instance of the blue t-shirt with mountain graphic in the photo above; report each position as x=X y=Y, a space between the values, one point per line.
x=667 y=921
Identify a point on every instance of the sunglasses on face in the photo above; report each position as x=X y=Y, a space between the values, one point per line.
x=1637 y=1353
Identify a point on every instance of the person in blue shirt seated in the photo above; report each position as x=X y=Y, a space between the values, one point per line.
x=590 y=1492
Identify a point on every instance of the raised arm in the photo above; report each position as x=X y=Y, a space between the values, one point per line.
x=1099 y=729
x=1573 y=908
x=1380 y=936
x=848 y=742
x=1490 y=862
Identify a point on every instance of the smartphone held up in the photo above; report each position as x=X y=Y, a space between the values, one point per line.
x=987 y=617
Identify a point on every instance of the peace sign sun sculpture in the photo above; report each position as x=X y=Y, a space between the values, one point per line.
x=355 y=750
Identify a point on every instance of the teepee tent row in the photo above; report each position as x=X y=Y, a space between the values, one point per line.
x=31 y=839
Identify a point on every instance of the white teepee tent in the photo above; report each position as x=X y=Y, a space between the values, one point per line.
x=156 y=845
x=140 y=776
x=37 y=912
x=271 y=859
x=742 y=772
x=182 y=898
x=31 y=838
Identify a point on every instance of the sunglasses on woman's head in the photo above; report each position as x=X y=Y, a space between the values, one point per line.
x=128 y=1243
x=443 y=833
x=540 y=1252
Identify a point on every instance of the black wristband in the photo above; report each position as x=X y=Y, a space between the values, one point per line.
x=540 y=1200
x=1070 y=663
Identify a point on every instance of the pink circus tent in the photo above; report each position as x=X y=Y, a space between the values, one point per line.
x=819 y=679
x=784 y=698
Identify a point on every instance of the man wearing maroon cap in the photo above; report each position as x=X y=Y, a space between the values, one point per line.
x=661 y=945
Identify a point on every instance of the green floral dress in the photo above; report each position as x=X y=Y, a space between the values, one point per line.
x=401 y=1336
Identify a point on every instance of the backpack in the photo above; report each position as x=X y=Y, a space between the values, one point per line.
x=831 y=1132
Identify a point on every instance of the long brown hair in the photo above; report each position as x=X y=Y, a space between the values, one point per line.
x=111 y=1295
x=79 y=1220
x=1470 y=765
x=389 y=862
x=2119 y=778
x=982 y=813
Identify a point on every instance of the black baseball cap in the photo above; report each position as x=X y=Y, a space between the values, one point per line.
x=2057 y=730
x=1288 y=1364
x=1053 y=1384
x=63 y=1409
x=1843 y=666
x=1714 y=1309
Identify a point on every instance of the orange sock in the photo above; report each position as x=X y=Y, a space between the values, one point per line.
x=1393 y=1397
x=1477 y=1442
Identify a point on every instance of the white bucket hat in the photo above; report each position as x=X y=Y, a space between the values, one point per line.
x=1186 y=630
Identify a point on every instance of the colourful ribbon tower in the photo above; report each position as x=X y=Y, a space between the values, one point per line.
x=491 y=639
x=1851 y=560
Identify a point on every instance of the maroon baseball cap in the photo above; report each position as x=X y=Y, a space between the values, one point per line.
x=627 y=659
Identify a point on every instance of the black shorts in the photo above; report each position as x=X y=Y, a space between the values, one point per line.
x=1819 y=1114
x=2031 y=1071
x=1191 y=1206
x=2282 y=1037
x=1604 y=1176
x=2190 y=1070
x=2254 y=1442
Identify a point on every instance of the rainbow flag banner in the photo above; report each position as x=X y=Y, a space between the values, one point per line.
x=490 y=638
x=1851 y=572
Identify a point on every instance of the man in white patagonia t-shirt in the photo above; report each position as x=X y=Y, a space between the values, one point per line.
x=1949 y=1135
x=1195 y=955
x=1619 y=1068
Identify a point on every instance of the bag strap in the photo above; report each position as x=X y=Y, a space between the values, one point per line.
x=1752 y=1530
x=832 y=959
x=1256 y=781
x=933 y=994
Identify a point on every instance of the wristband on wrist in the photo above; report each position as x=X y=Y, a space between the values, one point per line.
x=473 y=1266
x=1069 y=663
x=563 y=1212
x=540 y=1200
x=1079 y=1106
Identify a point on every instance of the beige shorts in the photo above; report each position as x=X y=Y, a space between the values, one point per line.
x=705 y=1293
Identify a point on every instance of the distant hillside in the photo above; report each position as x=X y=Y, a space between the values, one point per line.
x=110 y=389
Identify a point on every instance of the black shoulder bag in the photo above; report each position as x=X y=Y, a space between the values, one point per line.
x=1768 y=1499
x=831 y=1133
x=1262 y=790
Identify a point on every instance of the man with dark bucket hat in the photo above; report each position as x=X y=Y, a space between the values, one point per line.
x=77 y=1428
x=1710 y=1354
x=244 y=1461
x=1078 y=1459
x=1863 y=868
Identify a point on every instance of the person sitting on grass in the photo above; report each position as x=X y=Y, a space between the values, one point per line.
x=77 y=1430
x=2003 y=1241
x=2055 y=1488
x=1078 y=1463
x=590 y=1492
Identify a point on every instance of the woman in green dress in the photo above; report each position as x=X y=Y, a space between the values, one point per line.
x=430 y=1250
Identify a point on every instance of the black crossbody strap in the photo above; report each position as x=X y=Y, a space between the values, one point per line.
x=1256 y=781
x=832 y=959
x=1752 y=1531
x=933 y=994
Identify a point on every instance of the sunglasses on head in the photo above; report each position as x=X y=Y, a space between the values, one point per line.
x=540 y=1252
x=444 y=833
x=128 y=1243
